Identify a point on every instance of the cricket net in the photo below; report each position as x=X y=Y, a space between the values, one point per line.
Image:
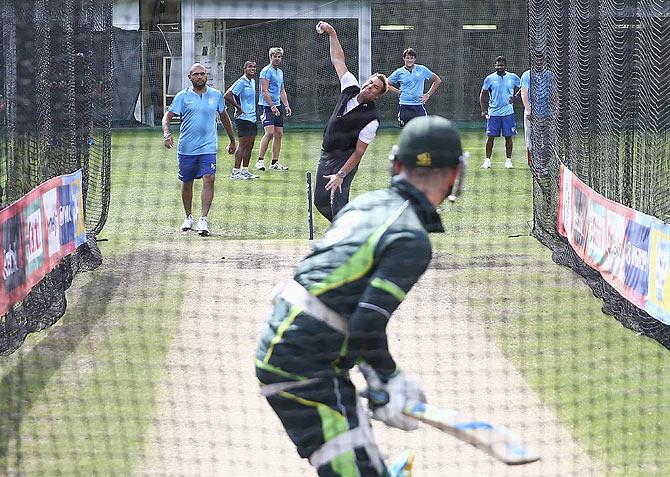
x=152 y=369
x=55 y=119
x=608 y=123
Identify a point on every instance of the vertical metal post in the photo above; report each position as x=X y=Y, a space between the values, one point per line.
x=309 y=206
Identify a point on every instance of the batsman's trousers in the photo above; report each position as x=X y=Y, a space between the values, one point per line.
x=329 y=203
x=325 y=420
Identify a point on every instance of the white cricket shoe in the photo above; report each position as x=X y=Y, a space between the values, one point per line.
x=203 y=227
x=486 y=164
x=508 y=164
x=260 y=165
x=278 y=166
x=187 y=224
x=248 y=176
x=236 y=176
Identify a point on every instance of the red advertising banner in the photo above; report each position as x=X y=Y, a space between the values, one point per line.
x=631 y=250
x=38 y=230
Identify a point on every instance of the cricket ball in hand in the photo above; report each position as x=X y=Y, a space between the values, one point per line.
x=319 y=30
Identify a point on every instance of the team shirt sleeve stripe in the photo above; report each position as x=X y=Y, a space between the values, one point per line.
x=389 y=287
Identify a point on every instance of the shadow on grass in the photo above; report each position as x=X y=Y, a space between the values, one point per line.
x=23 y=386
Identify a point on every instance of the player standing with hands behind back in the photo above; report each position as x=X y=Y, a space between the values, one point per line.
x=496 y=99
x=242 y=95
x=333 y=313
x=198 y=107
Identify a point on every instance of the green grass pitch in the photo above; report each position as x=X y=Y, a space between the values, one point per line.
x=79 y=398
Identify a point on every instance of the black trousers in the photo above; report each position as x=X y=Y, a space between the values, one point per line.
x=329 y=203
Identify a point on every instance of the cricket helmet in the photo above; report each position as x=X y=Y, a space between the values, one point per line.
x=428 y=141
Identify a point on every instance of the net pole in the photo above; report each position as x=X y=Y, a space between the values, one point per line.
x=310 y=219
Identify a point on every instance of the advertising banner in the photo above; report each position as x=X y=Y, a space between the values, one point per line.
x=38 y=230
x=631 y=250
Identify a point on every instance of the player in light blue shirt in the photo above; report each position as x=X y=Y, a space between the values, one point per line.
x=408 y=82
x=496 y=98
x=274 y=101
x=538 y=91
x=242 y=95
x=198 y=106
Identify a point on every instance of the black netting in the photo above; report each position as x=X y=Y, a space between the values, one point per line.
x=462 y=57
x=150 y=371
x=56 y=80
x=608 y=122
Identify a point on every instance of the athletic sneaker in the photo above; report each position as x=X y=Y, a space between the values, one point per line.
x=247 y=176
x=260 y=165
x=402 y=466
x=202 y=227
x=236 y=176
x=486 y=164
x=508 y=164
x=187 y=224
x=278 y=166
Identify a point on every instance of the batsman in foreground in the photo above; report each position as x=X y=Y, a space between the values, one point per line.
x=333 y=313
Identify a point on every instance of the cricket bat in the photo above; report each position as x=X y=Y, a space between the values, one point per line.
x=494 y=439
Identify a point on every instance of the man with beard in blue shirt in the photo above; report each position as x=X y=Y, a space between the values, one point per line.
x=198 y=107
x=496 y=99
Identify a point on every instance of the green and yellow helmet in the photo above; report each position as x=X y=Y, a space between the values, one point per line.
x=428 y=141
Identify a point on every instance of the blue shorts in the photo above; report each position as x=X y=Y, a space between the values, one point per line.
x=497 y=123
x=406 y=112
x=269 y=119
x=196 y=166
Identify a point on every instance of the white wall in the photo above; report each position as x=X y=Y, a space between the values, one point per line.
x=193 y=10
x=126 y=14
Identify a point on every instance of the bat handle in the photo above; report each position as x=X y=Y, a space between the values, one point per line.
x=370 y=375
x=375 y=393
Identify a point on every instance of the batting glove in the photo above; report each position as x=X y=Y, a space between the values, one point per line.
x=388 y=401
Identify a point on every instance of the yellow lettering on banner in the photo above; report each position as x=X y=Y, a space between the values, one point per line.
x=424 y=160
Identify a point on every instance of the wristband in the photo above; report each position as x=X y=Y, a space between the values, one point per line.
x=167 y=135
x=341 y=173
